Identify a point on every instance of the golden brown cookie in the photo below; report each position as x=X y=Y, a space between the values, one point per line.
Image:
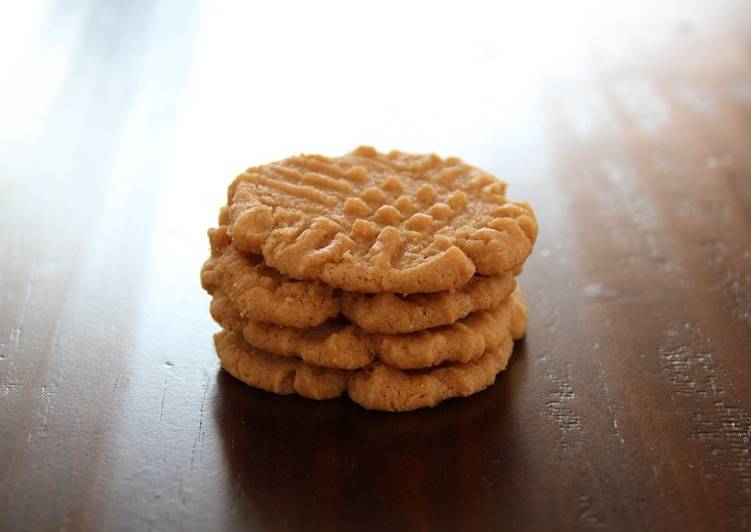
x=381 y=387
x=377 y=386
x=335 y=343
x=372 y=222
x=322 y=346
x=277 y=374
x=342 y=345
x=225 y=313
x=392 y=313
x=263 y=294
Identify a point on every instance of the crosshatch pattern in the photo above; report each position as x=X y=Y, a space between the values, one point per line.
x=374 y=222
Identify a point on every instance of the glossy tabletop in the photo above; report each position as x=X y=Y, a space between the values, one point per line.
x=627 y=127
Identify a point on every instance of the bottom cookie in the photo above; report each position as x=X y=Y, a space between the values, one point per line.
x=376 y=387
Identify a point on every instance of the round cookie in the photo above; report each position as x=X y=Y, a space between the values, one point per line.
x=372 y=222
x=336 y=343
x=323 y=346
x=376 y=387
x=342 y=345
x=261 y=293
x=387 y=313
x=280 y=375
x=380 y=387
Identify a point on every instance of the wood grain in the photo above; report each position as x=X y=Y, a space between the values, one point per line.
x=627 y=406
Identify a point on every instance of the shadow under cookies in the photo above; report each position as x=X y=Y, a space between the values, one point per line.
x=298 y=464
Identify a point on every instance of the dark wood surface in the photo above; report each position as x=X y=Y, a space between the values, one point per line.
x=627 y=406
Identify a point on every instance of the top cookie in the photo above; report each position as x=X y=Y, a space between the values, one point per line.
x=372 y=222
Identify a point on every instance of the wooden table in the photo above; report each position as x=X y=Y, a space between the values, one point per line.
x=627 y=406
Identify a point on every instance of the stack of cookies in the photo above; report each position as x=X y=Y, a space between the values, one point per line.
x=386 y=277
